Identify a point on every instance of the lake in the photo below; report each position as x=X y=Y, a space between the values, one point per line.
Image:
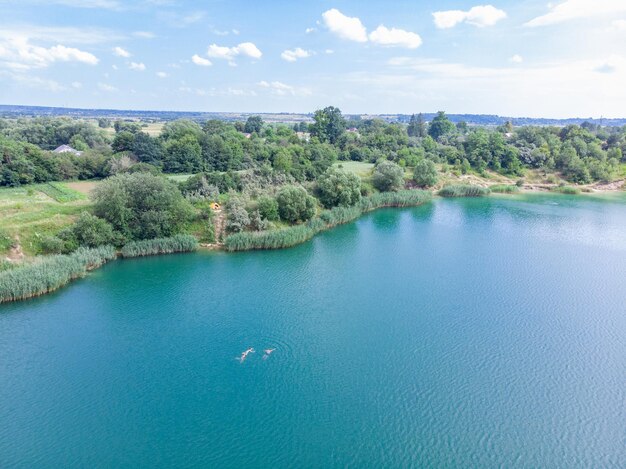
x=463 y=333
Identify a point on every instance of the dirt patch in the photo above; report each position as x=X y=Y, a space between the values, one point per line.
x=15 y=252
x=609 y=186
x=84 y=187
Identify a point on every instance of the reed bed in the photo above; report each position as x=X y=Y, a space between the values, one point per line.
x=570 y=190
x=504 y=188
x=294 y=235
x=51 y=273
x=463 y=190
x=150 y=247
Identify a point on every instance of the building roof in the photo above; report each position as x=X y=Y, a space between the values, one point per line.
x=66 y=149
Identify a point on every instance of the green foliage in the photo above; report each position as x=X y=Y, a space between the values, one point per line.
x=463 y=190
x=90 y=231
x=570 y=190
x=338 y=188
x=268 y=208
x=504 y=188
x=287 y=237
x=150 y=247
x=141 y=205
x=425 y=173
x=49 y=273
x=440 y=126
x=294 y=204
x=237 y=219
x=254 y=124
x=388 y=176
x=329 y=124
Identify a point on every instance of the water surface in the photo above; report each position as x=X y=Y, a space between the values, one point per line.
x=463 y=333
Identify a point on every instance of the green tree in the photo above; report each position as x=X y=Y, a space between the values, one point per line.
x=440 y=126
x=268 y=208
x=425 y=174
x=329 y=124
x=90 y=231
x=123 y=141
x=294 y=204
x=337 y=187
x=141 y=205
x=183 y=155
x=147 y=149
x=254 y=124
x=388 y=177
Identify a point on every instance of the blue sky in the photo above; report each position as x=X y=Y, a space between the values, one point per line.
x=519 y=58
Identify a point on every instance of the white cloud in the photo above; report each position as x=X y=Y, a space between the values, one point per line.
x=106 y=87
x=480 y=15
x=162 y=74
x=246 y=49
x=144 y=34
x=618 y=25
x=19 y=54
x=56 y=35
x=137 y=66
x=37 y=82
x=329 y=51
x=179 y=20
x=345 y=27
x=575 y=9
x=295 y=54
x=278 y=88
x=77 y=84
x=217 y=91
x=120 y=52
x=395 y=37
x=104 y=4
x=114 y=67
x=201 y=61
x=310 y=30
x=516 y=59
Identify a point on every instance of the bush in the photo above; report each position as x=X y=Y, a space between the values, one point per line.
x=504 y=188
x=294 y=204
x=90 y=231
x=570 y=190
x=338 y=188
x=388 y=177
x=425 y=173
x=149 y=247
x=141 y=205
x=268 y=208
x=463 y=190
x=51 y=272
x=237 y=219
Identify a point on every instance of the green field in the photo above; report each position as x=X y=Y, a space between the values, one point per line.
x=30 y=213
x=359 y=168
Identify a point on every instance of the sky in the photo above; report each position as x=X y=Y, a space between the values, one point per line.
x=513 y=58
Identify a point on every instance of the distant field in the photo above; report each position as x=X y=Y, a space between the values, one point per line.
x=152 y=128
x=36 y=211
x=357 y=167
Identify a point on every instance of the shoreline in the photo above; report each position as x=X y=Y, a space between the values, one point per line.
x=321 y=226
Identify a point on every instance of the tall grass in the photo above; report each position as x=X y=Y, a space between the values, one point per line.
x=504 y=188
x=294 y=235
x=571 y=190
x=463 y=190
x=149 y=247
x=50 y=273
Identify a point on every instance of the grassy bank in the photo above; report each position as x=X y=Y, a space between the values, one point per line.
x=292 y=236
x=50 y=273
x=150 y=247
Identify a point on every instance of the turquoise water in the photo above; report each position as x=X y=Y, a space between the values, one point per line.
x=464 y=333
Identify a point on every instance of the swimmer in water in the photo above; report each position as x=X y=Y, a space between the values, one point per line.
x=244 y=355
x=268 y=352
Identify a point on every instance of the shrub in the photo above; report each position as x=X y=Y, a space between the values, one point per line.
x=463 y=190
x=337 y=187
x=141 y=205
x=388 y=176
x=90 y=231
x=51 y=272
x=294 y=204
x=425 y=173
x=149 y=247
x=268 y=208
x=257 y=222
x=238 y=218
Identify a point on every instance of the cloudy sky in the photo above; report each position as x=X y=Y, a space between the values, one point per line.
x=517 y=58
